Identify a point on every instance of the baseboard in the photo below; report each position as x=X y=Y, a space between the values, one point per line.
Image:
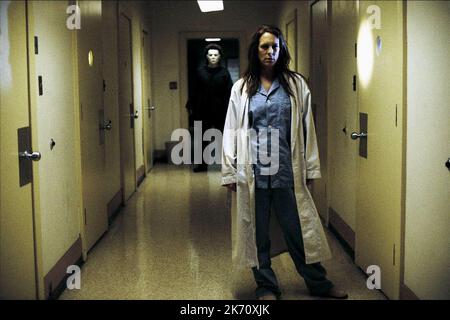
x=140 y=175
x=407 y=294
x=114 y=205
x=343 y=231
x=55 y=280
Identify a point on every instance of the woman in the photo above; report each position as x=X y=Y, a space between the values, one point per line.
x=272 y=101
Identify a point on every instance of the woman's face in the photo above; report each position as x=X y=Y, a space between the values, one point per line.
x=268 y=50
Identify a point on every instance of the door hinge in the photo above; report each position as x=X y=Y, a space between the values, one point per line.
x=354 y=82
x=104 y=85
x=84 y=216
x=393 y=256
x=36 y=45
x=356 y=50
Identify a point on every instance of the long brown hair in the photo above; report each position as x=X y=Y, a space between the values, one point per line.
x=281 y=69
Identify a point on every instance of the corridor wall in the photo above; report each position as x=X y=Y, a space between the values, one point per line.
x=58 y=226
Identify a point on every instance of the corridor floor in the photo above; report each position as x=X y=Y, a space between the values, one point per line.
x=173 y=241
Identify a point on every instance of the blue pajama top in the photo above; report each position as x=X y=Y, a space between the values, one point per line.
x=269 y=111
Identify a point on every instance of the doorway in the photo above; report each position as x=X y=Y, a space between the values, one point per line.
x=196 y=59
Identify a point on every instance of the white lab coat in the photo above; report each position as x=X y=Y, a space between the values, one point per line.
x=237 y=168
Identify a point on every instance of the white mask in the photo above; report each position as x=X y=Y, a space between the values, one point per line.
x=213 y=57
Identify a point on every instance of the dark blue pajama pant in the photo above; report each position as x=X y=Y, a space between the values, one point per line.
x=285 y=206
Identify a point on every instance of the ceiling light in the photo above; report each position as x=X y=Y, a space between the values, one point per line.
x=210 y=5
x=212 y=39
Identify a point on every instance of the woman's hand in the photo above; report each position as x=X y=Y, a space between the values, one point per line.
x=231 y=186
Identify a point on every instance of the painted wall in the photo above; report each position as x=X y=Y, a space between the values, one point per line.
x=427 y=220
x=169 y=18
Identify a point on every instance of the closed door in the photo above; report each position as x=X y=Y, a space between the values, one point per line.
x=126 y=109
x=60 y=189
x=17 y=253
x=92 y=115
x=343 y=114
x=380 y=102
x=148 y=114
x=319 y=99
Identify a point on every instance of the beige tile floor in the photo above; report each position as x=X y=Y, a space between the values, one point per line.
x=173 y=241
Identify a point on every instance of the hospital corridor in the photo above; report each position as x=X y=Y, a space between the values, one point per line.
x=105 y=193
x=166 y=247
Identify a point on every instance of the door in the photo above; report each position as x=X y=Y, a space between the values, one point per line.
x=147 y=103
x=17 y=252
x=380 y=102
x=342 y=117
x=92 y=115
x=60 y=189
x=319 y=99
x=126 y=109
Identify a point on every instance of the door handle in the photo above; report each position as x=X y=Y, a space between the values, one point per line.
x=35 y=156
x=136 y=114
x=106 y=126
x=356 y=135
x=149 y=108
